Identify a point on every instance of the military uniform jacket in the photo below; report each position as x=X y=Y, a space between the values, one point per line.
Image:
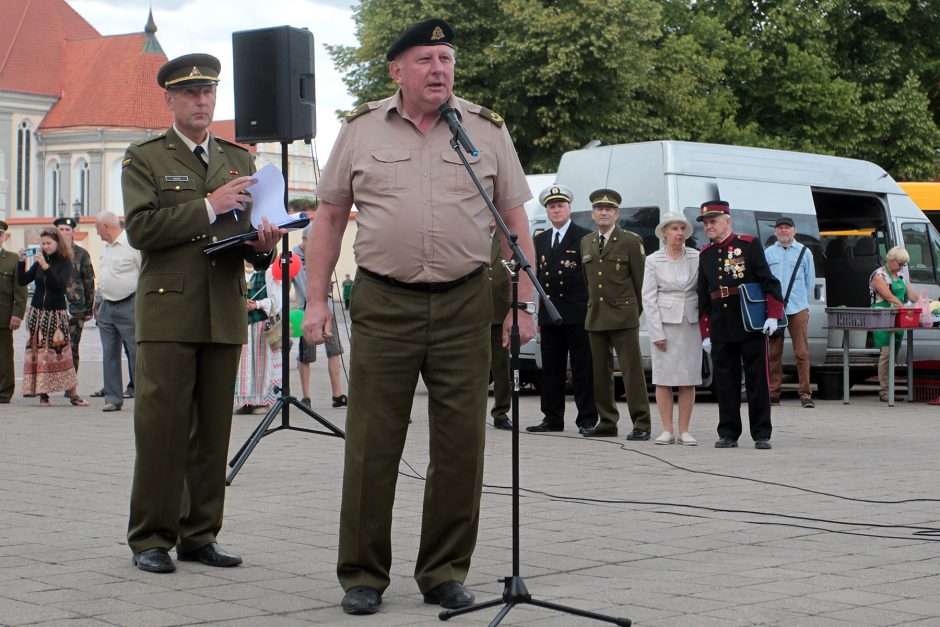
x=81 y=289
x=499 y=281
x=614 y=280
x=182 y=294
x=12 y=294
x=561 y=275
x=738 y=259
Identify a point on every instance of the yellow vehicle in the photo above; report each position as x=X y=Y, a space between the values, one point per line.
x=927 y=197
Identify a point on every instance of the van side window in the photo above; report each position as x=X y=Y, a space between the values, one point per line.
x=917 y=241
x=639 y=220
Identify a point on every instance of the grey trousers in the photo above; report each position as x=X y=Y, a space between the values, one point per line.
x=116 y=328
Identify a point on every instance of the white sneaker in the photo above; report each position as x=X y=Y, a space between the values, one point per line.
x=687 y=439
x=665 y=438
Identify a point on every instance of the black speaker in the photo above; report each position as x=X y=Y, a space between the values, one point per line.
x=274 y=88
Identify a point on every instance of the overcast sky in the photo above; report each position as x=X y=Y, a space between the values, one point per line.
x=185 y=26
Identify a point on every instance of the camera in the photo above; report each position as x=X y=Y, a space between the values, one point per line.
x=31 y=251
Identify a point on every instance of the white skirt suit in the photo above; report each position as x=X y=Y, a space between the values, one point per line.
x=670 y=304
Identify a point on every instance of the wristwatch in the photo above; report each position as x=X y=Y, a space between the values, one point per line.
x=529 y=308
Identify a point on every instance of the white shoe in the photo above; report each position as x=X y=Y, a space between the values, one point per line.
x=687 y=439
x=665 y=438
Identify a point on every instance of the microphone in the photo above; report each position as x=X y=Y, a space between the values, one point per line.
x=450 y=116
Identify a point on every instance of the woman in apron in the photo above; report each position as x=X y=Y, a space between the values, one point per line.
x=889 y=288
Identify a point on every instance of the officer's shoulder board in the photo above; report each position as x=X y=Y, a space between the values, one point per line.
x=492 y=116
x=228 y=143
x=746 y=238
x=148 y=140
x=361 y=109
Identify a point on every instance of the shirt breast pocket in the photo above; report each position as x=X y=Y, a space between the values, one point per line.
x=177 y=192
x=390 y=169
x=455 y=179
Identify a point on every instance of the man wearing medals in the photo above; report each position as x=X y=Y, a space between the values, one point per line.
x=725 y=263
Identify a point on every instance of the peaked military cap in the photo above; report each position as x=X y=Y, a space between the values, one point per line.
x=555 y=192
x=605 y=197
x=433 y=32
x=66 y=220
x=189 y=70
x=3 y=226
x=711 y=208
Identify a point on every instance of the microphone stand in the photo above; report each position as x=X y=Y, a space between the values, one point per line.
x=514 y=590
x=284 y=398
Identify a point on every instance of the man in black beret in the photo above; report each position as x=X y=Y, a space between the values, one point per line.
x=423 y=244
x=81 y=288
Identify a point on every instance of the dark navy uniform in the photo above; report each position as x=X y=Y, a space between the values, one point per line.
x=560 y=272
x=722 y=268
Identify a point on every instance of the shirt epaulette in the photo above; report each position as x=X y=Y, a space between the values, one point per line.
x=228 y=143
x=492 y=116
x=147 y=140
x=355 y=113
x=746 y=238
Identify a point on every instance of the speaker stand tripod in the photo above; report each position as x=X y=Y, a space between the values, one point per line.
x=515 y=591
x=284 y=399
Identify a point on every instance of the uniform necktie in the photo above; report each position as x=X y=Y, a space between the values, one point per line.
x=557 y=240
x=199 y=152
x=601 y=243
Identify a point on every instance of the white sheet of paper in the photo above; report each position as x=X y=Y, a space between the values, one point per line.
x=267 y=197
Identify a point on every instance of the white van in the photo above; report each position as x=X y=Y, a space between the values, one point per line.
x=848 y=212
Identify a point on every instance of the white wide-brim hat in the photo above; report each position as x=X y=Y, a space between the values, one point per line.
x=671 y=217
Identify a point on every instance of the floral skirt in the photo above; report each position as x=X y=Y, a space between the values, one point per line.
x=47 y=364
x=258 y=371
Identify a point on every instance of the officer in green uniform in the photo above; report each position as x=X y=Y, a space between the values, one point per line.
x=499 y=365
x=613 y=262
x=12 y=309
x=182 y=190
x=81 y=289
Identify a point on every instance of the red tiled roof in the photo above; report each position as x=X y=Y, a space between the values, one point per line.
x=225 y=129
x=110 y=82
x=32 y=41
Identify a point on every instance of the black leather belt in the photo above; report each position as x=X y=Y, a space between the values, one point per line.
x=117 y=302
x=438 y=288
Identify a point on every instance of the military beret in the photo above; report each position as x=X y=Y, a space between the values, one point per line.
x=432 y=32
x=189 y=70
x=66 y=220
x=711 y=208
x=3 y=226
x=605 y=197
x=784 y=220
x=555 y=192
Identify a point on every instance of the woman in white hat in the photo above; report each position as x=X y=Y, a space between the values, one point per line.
x=671 y=307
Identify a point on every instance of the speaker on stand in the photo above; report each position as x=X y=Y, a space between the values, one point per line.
x=275 y=102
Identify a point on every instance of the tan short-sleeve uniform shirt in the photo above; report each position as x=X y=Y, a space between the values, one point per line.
x=421 y=219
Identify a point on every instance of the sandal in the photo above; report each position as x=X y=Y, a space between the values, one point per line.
x=340 y=401
x=44 y=400
x=78 y=401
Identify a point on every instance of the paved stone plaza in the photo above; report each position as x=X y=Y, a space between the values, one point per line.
x=837 y=525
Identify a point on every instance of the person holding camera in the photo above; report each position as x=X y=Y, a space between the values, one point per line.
x=47 y=364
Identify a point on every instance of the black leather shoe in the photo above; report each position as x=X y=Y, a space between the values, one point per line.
x=582 y=427
x=544 y=427
x=638 y=434
x=600 y=432
x=362 y=600
x=449 y=595
x=726 y=443
x=762 y=444
x=4 y=400
x=210 y=555
x=154 y=561
x=503 y=423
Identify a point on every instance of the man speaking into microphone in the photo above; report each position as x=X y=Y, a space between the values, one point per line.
x=420 y=306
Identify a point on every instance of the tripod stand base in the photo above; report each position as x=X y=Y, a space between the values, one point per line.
x=515 y=593
x=264 y=428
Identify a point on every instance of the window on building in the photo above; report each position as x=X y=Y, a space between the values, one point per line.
x=24 y=151
x=82 y=182
x=54 y=188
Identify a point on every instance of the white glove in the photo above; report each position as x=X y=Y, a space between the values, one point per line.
x=770 y=326
x=707 y=345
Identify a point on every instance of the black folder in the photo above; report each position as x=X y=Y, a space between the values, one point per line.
x=238 y=240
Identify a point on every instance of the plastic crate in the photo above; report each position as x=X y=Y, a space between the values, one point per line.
x=927 y=369
x=907 y=317
x=926 y=390
x=861 y=317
